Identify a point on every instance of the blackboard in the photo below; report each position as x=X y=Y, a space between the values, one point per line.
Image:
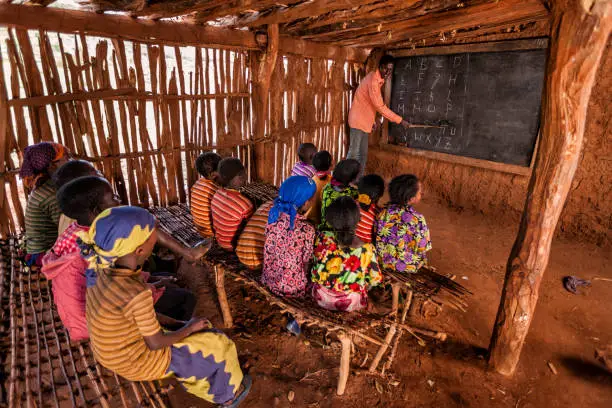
x=490 y=102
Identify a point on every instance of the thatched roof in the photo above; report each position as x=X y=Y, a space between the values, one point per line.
x=363 y=23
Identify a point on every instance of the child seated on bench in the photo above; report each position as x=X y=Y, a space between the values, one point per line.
x=402 y=237
x=68 y=172
x=322 y=162
x=230 y=209
x=251 y=242
x=126 y=334
x=306 y=151
x=345 y=268
x=371 y=189
x=289 y=239
x=203 y=191
x=345 y=173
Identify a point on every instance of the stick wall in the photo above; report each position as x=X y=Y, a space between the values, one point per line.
x=143 y=111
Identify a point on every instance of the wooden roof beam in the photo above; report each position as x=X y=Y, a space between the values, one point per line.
x=167 y=32
x=490 y=14
x=205 y=10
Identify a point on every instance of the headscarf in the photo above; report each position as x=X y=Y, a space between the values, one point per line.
x=293 y=193
x=116 y=232
x=37 y=159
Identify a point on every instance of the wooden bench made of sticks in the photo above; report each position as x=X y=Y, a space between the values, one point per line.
x=441 y=290
x=41 y=366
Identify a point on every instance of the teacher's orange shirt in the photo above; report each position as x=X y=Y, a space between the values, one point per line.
x=367 y=101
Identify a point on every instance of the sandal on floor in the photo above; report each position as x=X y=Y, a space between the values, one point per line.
x=246 y=388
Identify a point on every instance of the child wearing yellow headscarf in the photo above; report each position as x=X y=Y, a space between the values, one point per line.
x=125 y=332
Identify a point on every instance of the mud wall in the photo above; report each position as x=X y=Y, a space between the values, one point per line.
x=588 y=210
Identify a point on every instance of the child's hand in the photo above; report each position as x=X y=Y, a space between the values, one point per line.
x=197 y=324
x=162 y=282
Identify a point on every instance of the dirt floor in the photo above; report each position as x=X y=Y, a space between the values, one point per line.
x=566 y=331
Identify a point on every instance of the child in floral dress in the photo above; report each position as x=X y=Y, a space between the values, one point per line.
x=345 y=267
x=402 y=238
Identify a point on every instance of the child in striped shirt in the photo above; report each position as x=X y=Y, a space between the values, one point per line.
x=230 y=209
x=306 y=152
x=371 y=189
x=250 y=246
x=203 y=191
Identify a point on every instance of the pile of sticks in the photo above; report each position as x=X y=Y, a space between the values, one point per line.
x=43 y=368
x=259 y=192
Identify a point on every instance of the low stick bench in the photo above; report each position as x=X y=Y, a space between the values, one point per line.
x=43 y=368
x=345 y=325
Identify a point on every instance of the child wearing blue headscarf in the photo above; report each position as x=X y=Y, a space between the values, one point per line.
x=289 y=239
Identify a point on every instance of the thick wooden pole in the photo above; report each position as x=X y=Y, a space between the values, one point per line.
x=264 y=67
x=580 y=31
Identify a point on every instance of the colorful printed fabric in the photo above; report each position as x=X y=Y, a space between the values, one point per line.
x=63 y=223
x=344 y=270
x=115 y=232
x=36 y=159
x=329 y=195
x=287 y=256
x=206 y=364
x=229 y=210
x=367 y=101
x=402 y=238
x=202 y=193
x=67 y=273
x=41 y=218
x=338 y=301
x=302 y=169
x=321 y=180
x=251 y=242
x=67 y=241
x=365 y=227
x=120 y=314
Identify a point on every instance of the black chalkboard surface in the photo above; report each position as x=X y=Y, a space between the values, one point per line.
x=489 y=100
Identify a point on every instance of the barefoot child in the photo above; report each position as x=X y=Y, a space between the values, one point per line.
x=345 y=267
x=289 y=239
x=345 y=173
x=322 y=162
x=40 y=161
x=371 y=189
x=126 y=335
x=402 y=238
x=230 y=209
x=306 y=151
x=203 y=191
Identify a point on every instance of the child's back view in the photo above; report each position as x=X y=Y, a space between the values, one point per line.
x=306 y=152
x=230 y=209
x=203 y=191
x=371 y=189
x=402 y=235
x=322 y=162
x=345 y=173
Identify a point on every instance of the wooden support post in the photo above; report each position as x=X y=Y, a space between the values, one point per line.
x=222 y=296
x=383 y=349
x=264 y=67
x=395 y=290
x=345 y=361
x=580 y=31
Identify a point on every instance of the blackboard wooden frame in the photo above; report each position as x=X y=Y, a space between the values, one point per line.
x=498 y=46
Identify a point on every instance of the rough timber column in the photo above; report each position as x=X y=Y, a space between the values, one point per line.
x=579 y=34
x=264 y=66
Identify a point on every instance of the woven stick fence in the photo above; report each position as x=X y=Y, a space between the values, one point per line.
x=143 y=111
x=46 y=369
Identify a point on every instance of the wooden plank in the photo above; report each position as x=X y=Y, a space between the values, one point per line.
x=450 y=158
x=290 y=45
x=580 y=34
x=497 y=46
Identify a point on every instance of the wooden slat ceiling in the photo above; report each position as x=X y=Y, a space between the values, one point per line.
x=361 y=23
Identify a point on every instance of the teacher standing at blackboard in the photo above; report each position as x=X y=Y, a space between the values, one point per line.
x=362 y=116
